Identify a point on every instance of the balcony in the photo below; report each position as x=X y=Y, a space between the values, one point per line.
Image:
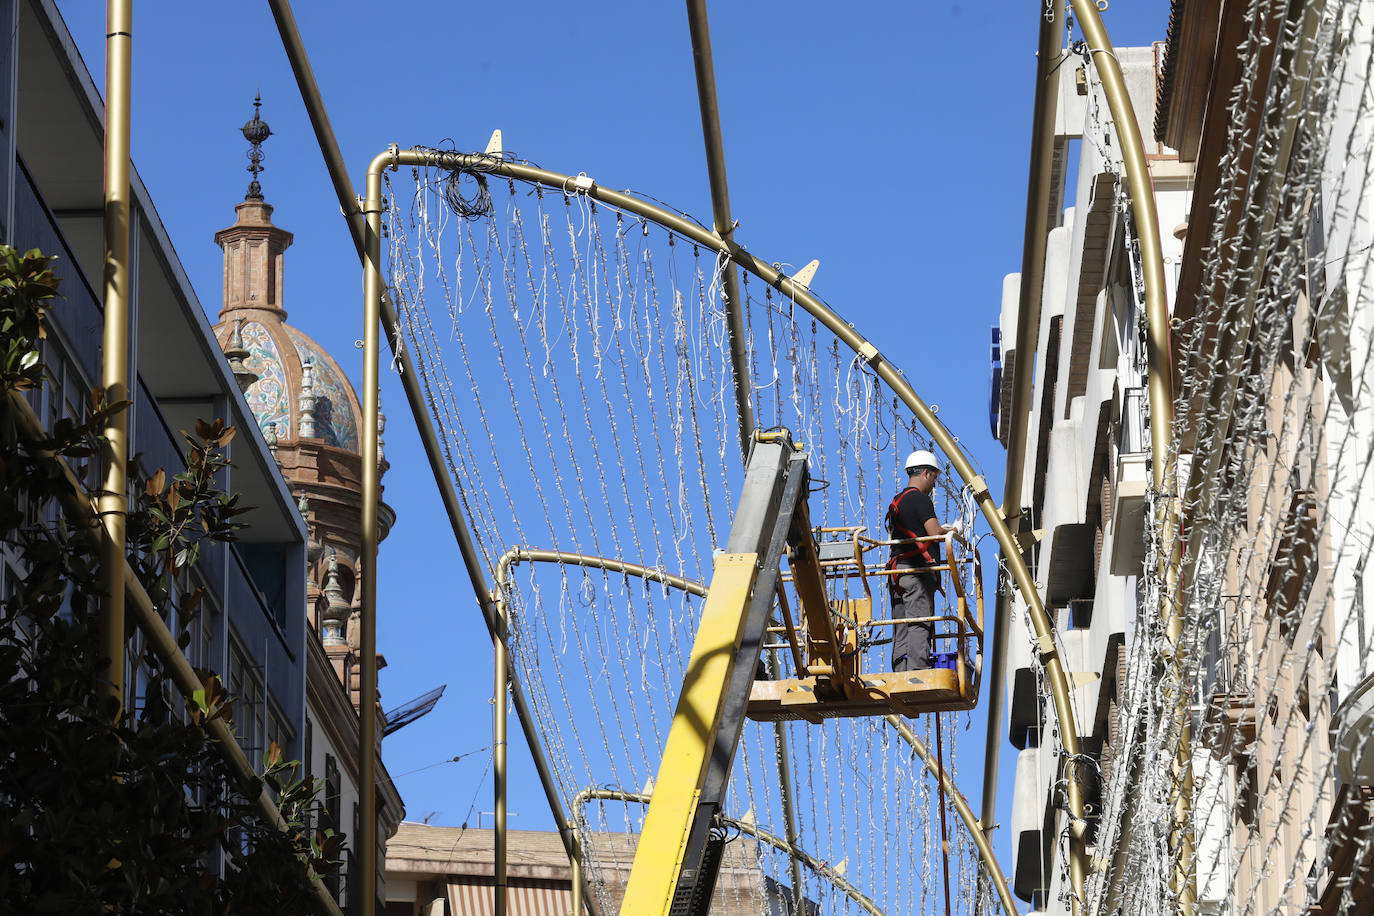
x=1225 y=682
x=1032 y=823
x=1130 y=484
x=78 y=317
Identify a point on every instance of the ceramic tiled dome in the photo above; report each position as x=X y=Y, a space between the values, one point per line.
x=300 y=392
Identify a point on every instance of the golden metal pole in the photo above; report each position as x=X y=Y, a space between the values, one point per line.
x=1048 y=56
x=357 y=226
x=720 y=210
x=367 y=713
x=114 y=372
x=576 y=878
x=691 y=586
x=532 y=555
x=789 y=814
x=499 y=755
x=1161 y=386
x=961 y=806
x=1047 y=651
x=503 y=567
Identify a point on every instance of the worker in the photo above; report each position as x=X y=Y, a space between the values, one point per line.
x=912 y=515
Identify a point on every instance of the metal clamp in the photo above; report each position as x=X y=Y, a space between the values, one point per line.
x=581 y=182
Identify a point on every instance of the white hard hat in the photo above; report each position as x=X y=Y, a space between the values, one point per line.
x=921 y=459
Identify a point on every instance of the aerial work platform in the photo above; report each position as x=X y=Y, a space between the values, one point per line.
x=747 y=612
x=846 y=675
x=906 y=693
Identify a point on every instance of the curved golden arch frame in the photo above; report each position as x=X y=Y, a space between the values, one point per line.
x=1161 y=403
x=698 y=589
x=394 y=157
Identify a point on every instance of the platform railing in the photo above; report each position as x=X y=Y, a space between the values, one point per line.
x=845 y=553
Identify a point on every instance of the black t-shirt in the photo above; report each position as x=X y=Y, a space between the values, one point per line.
x=907 y=518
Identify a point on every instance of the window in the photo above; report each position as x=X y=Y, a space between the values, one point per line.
x=329 y=815
x=266 y=564
x=244 y=684
x=278 y=730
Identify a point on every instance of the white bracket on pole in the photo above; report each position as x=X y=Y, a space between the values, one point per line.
x=803 y=277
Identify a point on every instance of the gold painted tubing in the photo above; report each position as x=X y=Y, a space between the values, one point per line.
x=1183 y=880
x=961 y=806
x=472 y=562
x=77 y=507
x=720 y=209
x=499 y=764
x=527 y=554
x=1049 y=54
x=1044 y=628
x=576 y=878
x=1038 y=188
x=788 y=798
x=797 y=853
x=372 y=318
x=114 y=371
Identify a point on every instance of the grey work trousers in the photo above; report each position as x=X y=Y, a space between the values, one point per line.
x=914 y=596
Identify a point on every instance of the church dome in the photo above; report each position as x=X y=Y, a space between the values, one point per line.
x=300 y=391
x=296 y=390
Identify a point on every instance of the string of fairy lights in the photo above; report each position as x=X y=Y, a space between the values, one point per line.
x=1279 y=527
x=576 y=363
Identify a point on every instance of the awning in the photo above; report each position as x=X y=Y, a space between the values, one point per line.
x=476 y=896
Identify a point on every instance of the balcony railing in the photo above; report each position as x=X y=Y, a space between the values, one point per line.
x=1225 y=682
x=1131 y=432
x=79 y=317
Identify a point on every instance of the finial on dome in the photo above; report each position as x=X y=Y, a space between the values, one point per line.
x=382 y=463
x=238 y=355
x=336 y=605
x=307 y=398
x=255 y=132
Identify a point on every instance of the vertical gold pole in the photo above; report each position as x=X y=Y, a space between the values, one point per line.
x=961 y=807
x=1161 y=385
x=720 y=209
x=788 y=799
x=499 y=766
x=1049 y=54
x=576 y=885
x=114 y=374
x=367 y=712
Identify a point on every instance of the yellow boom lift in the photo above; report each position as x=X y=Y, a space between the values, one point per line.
x=679 y=853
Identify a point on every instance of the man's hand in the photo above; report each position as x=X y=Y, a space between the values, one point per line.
x=956 y=527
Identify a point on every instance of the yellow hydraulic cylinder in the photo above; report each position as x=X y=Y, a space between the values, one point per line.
x=662 y=845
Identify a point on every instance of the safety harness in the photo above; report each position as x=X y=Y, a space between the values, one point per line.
x=901 y=532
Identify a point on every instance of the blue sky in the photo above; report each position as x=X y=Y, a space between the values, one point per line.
x=887 y=140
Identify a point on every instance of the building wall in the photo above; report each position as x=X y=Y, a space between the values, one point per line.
x=1085 y=471
x=1278 y=626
